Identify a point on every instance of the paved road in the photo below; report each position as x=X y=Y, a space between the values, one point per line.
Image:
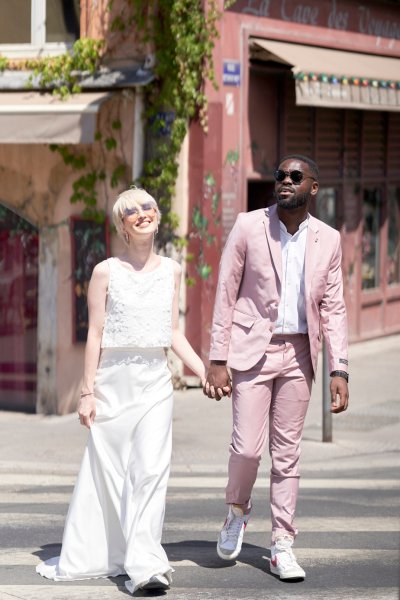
x=348 y=511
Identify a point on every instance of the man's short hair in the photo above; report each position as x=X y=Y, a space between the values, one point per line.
x=305 y=159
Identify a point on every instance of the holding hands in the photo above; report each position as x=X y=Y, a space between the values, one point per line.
x=218 y=382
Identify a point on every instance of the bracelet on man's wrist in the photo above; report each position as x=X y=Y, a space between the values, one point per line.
x=87 y=394
x=343 y=374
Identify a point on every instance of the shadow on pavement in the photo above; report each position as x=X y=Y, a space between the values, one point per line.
x=203 y=553
x=48 y=551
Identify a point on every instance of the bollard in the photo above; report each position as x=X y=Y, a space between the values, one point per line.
x=326 y=398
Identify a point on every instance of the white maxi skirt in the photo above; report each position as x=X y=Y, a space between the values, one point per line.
x=115 y=519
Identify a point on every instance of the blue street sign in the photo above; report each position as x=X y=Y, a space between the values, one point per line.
x=231 y=72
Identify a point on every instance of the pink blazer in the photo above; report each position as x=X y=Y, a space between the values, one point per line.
x=249 y=285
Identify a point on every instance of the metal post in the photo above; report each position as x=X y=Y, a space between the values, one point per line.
x=326 y=398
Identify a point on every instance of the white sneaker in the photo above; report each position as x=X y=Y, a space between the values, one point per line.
x=231 y=536
x=283 y=561
x=157 y=582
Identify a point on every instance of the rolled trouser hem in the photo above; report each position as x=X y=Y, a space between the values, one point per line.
x=247 y=505
x=277 y=533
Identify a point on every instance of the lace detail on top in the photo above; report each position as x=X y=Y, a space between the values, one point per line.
x=152 y=358
x=139 y=307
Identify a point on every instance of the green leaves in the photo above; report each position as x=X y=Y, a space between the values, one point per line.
x=183 y=34
x=199 y=221
x=232 y=157
x=110 y=143
x=76 y=161
x=3 y=63
x=85 y=189
x=63 y=73
x=204 y=270
x=117 y=174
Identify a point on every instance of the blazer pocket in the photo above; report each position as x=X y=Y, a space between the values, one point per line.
x=242 y=319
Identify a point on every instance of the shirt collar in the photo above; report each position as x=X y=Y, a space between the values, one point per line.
x=302 y=226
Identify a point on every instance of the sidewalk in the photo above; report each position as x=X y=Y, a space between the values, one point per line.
x=370 y=426
x=348 y=511
x=371 y=422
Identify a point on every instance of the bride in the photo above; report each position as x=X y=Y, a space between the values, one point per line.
x=114 y=523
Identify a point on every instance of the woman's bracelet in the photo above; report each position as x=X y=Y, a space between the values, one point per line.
x=88 y=394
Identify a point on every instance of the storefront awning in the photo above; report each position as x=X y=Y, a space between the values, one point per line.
x=333 y=78
x=33 y=118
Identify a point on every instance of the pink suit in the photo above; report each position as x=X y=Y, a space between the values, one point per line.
x=272 y=375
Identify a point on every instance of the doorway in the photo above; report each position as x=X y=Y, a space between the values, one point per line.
x=19 y=244
x=260 y=194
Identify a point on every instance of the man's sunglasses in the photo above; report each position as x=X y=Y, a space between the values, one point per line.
x=296 y=176
x=146 y=207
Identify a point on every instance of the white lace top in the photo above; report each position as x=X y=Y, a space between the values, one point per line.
x=139 y=307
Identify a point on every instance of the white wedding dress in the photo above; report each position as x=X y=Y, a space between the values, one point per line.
x=115 y=519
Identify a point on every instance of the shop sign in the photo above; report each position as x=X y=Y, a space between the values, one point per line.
x=377 y=19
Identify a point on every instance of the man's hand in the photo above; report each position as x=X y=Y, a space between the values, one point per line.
x=218 y=382
x=339 y=394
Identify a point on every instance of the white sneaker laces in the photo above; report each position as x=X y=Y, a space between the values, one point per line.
x=286 y=554
x=233 y=527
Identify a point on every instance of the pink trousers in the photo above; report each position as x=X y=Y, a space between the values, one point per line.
x=274 y=394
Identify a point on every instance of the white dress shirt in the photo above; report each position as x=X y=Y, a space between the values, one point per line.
x=291 y=310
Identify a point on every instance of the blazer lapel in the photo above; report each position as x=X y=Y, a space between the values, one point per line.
x=271 y=224
x=312 y=251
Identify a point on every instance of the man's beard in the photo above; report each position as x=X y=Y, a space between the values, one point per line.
x=297 y=201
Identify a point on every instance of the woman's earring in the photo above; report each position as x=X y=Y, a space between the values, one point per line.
x=127 y=239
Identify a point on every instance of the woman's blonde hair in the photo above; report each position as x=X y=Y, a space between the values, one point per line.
x=129 y=199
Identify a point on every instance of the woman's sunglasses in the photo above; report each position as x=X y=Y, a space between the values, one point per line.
x=146 y=207
x=296 y=176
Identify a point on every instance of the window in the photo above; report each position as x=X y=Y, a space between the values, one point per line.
x=30 y=26
x=326 y=205
x=370 y=239
x=90 y=245
x=393 y=264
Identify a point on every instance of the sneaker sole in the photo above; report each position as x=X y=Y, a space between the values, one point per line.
x=155 y=585
x=275 y=571
x=232 y=556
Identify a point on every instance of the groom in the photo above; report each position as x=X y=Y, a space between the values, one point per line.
x=279 y=290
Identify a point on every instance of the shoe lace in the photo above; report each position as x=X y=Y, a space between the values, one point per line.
x=286 y=554
x=234 y=526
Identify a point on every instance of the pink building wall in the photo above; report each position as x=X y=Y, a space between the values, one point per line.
x=369 y=27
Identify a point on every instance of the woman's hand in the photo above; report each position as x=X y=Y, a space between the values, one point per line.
x=87 y=410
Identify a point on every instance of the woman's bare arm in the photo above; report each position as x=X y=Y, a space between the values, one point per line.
x=97 y=310
x=180 y=344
